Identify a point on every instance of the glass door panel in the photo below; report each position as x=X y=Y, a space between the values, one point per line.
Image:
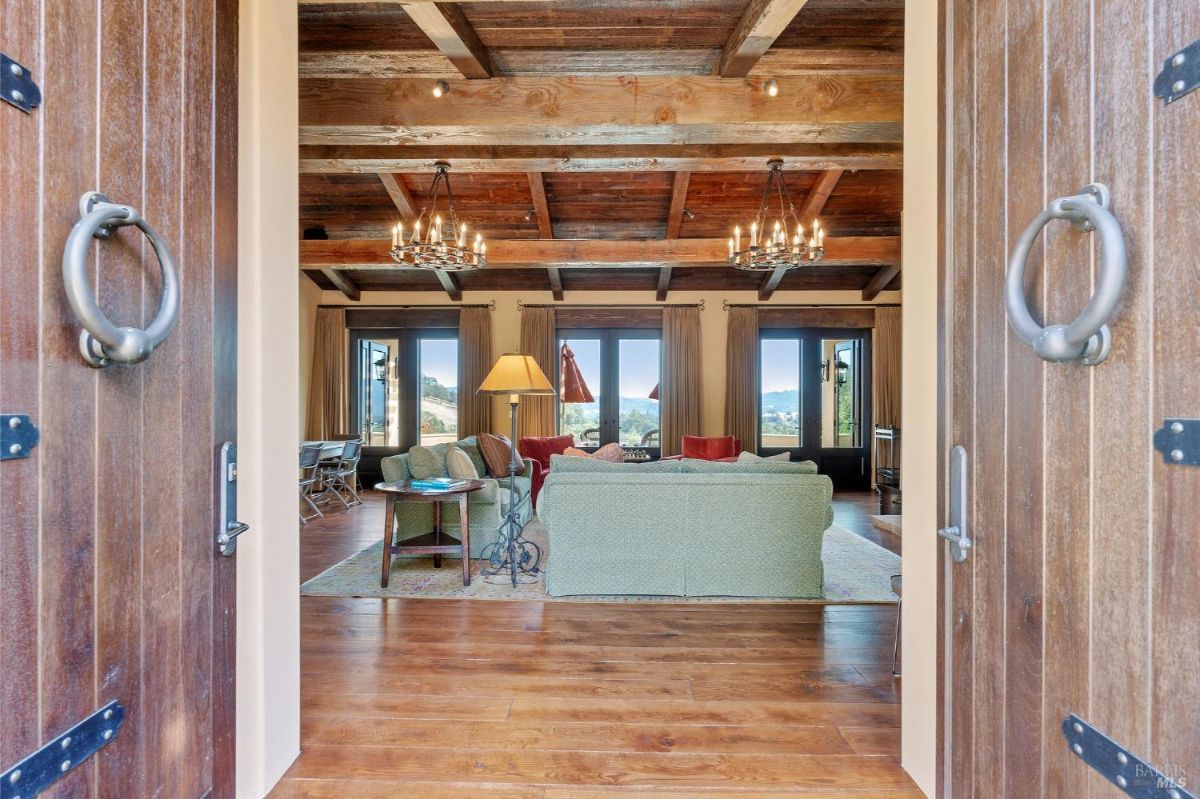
x=437 y=400
x=582 y=419
x=379 y=420
x=639 y=366
x=840 y=403
x=780 y=408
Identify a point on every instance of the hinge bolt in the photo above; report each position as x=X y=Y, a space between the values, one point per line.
x=1177 y=87
x=15 y=777
x=108 y=714
x=1176 y=427
x=14 y=422
x=1178 y=60
x=1121 y=781
x=1077 y=749
x=1078 y=728
x=14 y=449
x=66 y=742
x=17 y=96
x=1177 y=455
x=107 y=734
x=16 y=69
x=1174 y=794
x=65 y=766
x=1122 y=758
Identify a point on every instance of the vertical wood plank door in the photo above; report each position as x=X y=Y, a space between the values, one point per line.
x=1080 y=593
x=110 y=583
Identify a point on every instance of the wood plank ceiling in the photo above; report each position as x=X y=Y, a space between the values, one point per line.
x=600 y=144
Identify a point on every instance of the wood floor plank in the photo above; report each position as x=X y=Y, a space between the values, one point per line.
x=872 y=740
x=857 y=714
x=669 y=793
x=392 y=789
x=585 y=736
x=401 y=706
x=500 y=685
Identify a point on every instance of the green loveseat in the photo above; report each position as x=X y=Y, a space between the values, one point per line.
x=700 y=529
x=486 y=506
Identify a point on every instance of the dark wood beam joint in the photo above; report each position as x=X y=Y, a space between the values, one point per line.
x=880 y=281
x=754 y=34
x=449 y=284
x=343 y=283
x=447 y=27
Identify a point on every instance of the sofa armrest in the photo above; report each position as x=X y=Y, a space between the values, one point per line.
x=395 y=468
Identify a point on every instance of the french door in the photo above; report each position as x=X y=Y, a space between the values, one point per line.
x=815 y=399
x=621 y=369
x=1076 y=607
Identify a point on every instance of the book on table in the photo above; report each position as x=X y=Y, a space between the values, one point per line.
x=438 y=483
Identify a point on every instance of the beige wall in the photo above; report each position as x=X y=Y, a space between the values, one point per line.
x=268 y=608
x=919 y=394
x=506 y=327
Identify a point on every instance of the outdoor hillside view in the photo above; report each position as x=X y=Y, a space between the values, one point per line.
x=638 y=368
x=439 y=390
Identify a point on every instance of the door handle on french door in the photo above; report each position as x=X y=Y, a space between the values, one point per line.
x=228 y=527
x=956 y=533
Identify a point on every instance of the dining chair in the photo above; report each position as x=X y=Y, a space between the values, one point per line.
x=310 y=457
x=344 y=475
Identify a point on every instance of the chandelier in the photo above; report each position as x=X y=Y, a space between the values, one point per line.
x=438 y=239
x=774 y=249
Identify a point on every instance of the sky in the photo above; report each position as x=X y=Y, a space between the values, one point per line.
x=439 y=359
x=780 y=364
x=640 y=363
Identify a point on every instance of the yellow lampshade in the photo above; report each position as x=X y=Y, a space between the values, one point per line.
x=516 y=374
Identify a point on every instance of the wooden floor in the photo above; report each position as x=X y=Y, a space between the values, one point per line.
x=449 y=699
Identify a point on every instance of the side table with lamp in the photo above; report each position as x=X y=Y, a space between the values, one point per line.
x=514 y=375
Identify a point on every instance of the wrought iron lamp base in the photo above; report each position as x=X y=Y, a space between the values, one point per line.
x=511 y=552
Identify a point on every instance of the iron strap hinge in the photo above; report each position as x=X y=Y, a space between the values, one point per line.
x=16 y=85
x=61 y=755
x=1179 y=441
x=18 y=436
x=1127 y=771
x=1180 y=74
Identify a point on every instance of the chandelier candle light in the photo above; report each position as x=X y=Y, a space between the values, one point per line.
x=438 y=239
x=768 y=251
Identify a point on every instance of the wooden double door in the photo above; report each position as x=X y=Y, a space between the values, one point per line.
x=1079 y=595
x=111 y=587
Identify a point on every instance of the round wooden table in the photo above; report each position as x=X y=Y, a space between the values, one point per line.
x=430 y=543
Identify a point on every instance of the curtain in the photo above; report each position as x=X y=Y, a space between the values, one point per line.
x=327 y=391
x=886 y=371
x=741 y=377
x=539 y=338
x=680 y=387
x=474 y=362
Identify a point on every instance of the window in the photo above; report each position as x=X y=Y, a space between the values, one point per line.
x=405 y=386
x=621 y=369
x=814 y=399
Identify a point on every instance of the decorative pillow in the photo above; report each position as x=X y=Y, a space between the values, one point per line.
x=540 y=448
x=426 y=462
x=610 y=452
x=459 y=465
x=496 y=451
x=710 y=448
x=750 y=457
x=470 y=446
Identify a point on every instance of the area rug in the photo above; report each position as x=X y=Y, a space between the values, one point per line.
x=856 y=572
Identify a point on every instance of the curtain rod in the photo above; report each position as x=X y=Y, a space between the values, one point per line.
x=726 y=305
x=585 y=306
x=491 y=305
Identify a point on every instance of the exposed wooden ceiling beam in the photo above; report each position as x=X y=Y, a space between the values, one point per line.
x=343 y=283
x=679 y=187
x=541 y=209
x=595 y=253
x=400 y=195
x=812 y=208
x=373 y=158
x=450 y=284
x=447 y=27
x=601 y=110
x=880 y=281
x=754 y=34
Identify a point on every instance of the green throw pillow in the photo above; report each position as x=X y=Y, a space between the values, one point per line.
x=568 y=463
x=426 y=462
x=470 y=445
x=459 y=465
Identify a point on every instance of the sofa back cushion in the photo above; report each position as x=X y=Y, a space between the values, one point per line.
x=710 y=448
x=496 y=453
x=694 y=466
x=569 y=464
x=426 y=462
x=540 y=448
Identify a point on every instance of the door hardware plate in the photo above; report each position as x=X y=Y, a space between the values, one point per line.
x=957 y=533
x=16 y=85
x=18 y=436
x=1180 y=74
x=1179 y=441
x=1118 y=765
x=228 y=527
x=61 y=755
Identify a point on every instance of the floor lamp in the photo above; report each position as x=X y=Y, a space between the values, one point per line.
x=514 y=375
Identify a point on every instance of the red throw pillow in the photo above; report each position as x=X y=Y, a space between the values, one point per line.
x=710 y=448
x=540 y=448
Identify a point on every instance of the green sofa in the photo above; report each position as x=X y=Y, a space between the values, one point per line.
x=486 y=506
x=698 y=529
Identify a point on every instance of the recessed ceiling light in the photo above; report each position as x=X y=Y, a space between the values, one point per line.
x=441 y=88
x=771 y=87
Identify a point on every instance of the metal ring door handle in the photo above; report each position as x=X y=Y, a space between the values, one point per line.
x=1087 y=338
x=101 y=342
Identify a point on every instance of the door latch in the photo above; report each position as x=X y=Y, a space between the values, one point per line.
x=228 y=527
x=956 y=532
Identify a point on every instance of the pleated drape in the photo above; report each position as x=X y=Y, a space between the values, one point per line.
x=474 y=361
x=327 y=391
x=681 y=377
x=539 y=338
x=886 y=371
x=742 y=377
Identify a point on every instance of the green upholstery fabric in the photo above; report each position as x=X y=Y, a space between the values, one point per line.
x=714 y=534
x=459 y=464
x=694 y=466
x=470 y=445
x=487 y=506
x=568 y=463
x=426 y=462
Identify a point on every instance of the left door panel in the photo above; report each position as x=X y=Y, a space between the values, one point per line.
x=110 y=584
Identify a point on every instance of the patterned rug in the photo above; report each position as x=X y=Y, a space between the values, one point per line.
x=856 y=572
